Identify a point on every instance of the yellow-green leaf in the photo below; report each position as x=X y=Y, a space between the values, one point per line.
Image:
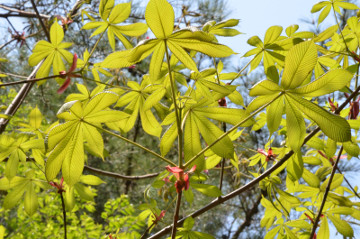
x=299 y=63
x=159 y=16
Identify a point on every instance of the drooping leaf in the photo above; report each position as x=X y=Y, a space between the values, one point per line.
x=332 y=125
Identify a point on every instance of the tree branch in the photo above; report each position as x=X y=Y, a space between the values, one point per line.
x=253 y=182
x=326 y=193
x=116 y=175
x=40 y=20
x=20 y=13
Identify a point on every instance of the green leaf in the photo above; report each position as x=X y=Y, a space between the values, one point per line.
x=324 y=13
x=150 y=123
x=117 y=59
x=295 y=125
x=135 y=29
x=265 y=87
x=341 y=210
x=351 y=148
x=260 y=101
x=84 y=192
x=332 y=125
x=120 y=13
x=208 y=190
x=182 y=55
x=105 y=7
x=327 y=83
x=56 y=34
x=272 y=233
x=320 y=5
x=228 y=115
x=335 y=183
x=287 y=196
x=346 y=5
x=211 y=133
x=189 y=223
x=192 y=143
x=73 y=162
x=299 y=63
x=156 y=61
x=168 y=139
x=6 y=184
x=13 y=197
x=209 y=48
x=326 y=34
x=30 y=201
x=274 y=114
x=94 y=140
x=35 y=118
x=159 y=16
x=272 y=34
x=324 y=231
x=341 y=226
x=311 y=178
x=100 y=102
x=295 y=167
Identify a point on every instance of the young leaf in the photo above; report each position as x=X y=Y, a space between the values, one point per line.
x=341 y=226
x=332 y=125
x=208 y=190
x=299 y=63
x=295 y=125
x=159 y=16
x=327 y=83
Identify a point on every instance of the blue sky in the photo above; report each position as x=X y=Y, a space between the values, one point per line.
x=256 y=16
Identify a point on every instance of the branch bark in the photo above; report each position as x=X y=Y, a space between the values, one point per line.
x=20 y=13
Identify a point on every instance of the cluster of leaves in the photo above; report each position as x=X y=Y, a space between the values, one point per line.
x=186 y=107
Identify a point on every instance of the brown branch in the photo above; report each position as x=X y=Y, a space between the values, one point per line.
x=40 y=20
x=176 y=215
x=116 y=175
x=326 y=193
x=7 y=43
x=20 y=13
x=253 y=182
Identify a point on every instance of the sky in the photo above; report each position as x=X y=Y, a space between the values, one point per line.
x=256 y=16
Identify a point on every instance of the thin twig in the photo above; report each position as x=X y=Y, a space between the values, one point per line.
x=176 y=108
x=40 y=20
x=64 y=214
x=116 y=175
x=176 y=215
x=20 y=13
x=326 y=193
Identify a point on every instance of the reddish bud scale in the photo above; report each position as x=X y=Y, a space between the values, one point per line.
x=182 y=181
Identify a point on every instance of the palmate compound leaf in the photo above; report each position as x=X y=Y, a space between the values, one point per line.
x=179 y=42
x=66 y=141
x=53 y=53
x=135 y=105
x=21 y=186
